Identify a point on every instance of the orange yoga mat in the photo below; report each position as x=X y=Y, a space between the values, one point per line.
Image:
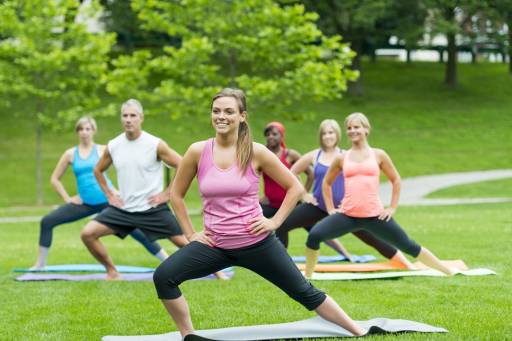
x=370 y=267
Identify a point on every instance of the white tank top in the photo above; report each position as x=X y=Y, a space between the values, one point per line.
x=139 y=172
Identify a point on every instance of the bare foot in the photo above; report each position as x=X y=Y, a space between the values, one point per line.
x=36 y=267
x=221 y=275
x=113 y=276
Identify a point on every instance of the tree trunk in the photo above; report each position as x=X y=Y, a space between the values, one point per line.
x=408 y=55
x=474 y=54
x=441 y=55
x=39 y=165
x=356 y=88
x=510 y=47
x=451 y=65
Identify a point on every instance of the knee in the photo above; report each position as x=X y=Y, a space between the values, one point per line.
x=88 y=233
x=165 y=282
x=314 y=239
x=47 y=223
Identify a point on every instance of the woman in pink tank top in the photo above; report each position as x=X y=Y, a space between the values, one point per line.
x=228 y=168
x=361 y=208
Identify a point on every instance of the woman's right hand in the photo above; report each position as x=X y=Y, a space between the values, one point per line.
x=201 y=237
x=309 y=198
x=76 y=200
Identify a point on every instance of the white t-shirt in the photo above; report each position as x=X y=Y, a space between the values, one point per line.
x=139 y=172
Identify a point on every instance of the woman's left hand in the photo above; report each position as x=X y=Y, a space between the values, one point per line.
x=387 y=214
x=261 y=225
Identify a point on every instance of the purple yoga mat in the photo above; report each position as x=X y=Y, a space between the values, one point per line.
x=94 y=277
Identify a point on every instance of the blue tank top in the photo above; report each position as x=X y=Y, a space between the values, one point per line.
x=88 y=187
x=338 y=187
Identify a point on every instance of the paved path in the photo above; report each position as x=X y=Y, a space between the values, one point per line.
x=414 y=190
x=413 y=193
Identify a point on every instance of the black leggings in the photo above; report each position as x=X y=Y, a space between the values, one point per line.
x=307 y=215
x=71 y=212
x=267 y=258
x=339 y=224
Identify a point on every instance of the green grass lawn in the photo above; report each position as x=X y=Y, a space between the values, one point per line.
x=486 y=189
x=469 y=307
x=426 y=128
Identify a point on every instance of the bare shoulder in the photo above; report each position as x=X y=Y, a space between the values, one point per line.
x=380 y=152
x=259 y=149
x=311 y=155
x=69 y=154
x=101 y=148
x=293 y=153
x=196 y=148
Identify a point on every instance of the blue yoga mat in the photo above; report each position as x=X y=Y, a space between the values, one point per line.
x=146 y=276
x=337 y=258
x=88 y=268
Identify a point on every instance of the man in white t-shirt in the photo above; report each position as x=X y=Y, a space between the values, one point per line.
x=137 y=157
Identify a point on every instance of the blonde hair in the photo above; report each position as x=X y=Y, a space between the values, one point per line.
x=334 y=125
x=244 y=149
x=361 y=118
x=86 y=120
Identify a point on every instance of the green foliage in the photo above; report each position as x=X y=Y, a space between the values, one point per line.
x=276 y=54
x=50 y=65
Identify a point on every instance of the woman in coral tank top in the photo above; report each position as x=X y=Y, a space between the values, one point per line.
x=228 y=168
x=361 y=208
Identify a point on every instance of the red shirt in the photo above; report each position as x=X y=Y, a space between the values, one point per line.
x=273 y=191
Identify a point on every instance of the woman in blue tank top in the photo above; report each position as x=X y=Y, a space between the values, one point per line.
x=89 y=200
x=313 y=208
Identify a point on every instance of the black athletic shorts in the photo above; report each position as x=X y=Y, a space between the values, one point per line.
x=156 y=223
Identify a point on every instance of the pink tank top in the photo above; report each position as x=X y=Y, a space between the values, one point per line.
x=361 y=198
x=273 y=191
x=230 y=200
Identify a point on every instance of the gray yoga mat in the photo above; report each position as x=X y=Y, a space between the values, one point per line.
x=337 y=258
x=315 y=327
x=347 y=276
x=148 y=276
x=88 y=268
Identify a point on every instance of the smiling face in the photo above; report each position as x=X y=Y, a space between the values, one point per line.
x=85 y=132
x=328 y=137
x=356 y=132
x=226 y=115
x=131 y=120
x=273 y=137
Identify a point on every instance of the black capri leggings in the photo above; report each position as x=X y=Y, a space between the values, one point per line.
x=307 y=215
x=72 y=212
x=339 y=224
x=267 y=258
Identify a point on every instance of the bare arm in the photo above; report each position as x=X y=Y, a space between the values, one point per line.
x=184 y=176
x=333 y=172
x=391 y=173
x=268 y=163
x=103 y=164
x=294 y=156
x=171 y=158
x=302 y=164
x=57 y=174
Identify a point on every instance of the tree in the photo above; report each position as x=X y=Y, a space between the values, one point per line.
x=501 y=12
x=406 y=21
x=449 y=17
x=356 y=21
x=119 y=18
x=276 y=54
x=53 y=66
